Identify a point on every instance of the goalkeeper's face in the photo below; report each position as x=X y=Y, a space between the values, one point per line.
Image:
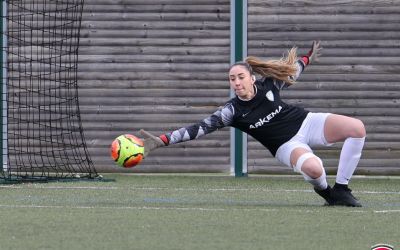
x=242 y=82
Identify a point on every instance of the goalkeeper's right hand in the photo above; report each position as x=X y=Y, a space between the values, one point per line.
x=151 y=142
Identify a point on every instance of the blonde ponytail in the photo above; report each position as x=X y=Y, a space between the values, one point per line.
x=283 y=69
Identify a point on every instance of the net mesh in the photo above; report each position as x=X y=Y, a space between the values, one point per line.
x=45 y=136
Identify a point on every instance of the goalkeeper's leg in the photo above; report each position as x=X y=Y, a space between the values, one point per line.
x=299 y=156
x=312 y=169
x=352 y=132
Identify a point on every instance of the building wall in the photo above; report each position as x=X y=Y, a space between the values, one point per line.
x=164 y=65
x=156 y=66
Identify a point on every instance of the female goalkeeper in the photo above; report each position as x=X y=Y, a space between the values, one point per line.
x=287 y=131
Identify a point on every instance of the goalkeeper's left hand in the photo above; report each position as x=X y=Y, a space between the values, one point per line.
x=151 y=142
x=314 y=53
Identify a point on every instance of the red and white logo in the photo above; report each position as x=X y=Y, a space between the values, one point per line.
x=382 y=247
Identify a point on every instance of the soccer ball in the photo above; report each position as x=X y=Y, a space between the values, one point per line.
x=127 y=150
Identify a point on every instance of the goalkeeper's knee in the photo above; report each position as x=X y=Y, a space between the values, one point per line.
x=312 y=169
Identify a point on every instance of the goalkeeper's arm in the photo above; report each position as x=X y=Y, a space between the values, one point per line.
x=219 y=119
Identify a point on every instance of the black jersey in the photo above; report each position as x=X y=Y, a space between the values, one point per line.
x=265 y=117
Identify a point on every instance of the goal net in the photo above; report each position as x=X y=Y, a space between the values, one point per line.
x=42 y=136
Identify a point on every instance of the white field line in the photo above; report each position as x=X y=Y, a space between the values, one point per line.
x=186 y=208
x=116 y=207
x=387 y=211
x=35 y=186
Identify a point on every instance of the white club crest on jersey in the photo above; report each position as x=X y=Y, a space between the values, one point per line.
x=270 y=96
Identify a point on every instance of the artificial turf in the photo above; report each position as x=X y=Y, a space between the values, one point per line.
x=196 y=212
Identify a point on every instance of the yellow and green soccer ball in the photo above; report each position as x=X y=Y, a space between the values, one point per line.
x=127 y=150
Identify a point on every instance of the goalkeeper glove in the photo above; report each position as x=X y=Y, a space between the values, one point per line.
x=314 y=53
x=151 y=142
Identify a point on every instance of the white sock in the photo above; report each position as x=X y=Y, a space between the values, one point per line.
x=349 y=158
x=320 y=183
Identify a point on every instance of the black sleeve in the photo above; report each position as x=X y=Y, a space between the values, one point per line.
x=279 y=84
x=219 y=119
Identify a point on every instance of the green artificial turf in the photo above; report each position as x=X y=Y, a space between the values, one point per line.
x=196 y=212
